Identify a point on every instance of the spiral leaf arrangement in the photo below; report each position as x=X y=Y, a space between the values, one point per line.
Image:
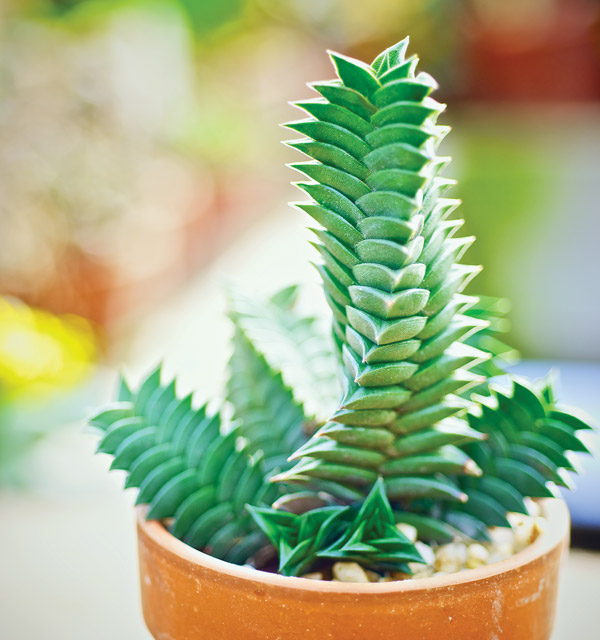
x=392 y=280
x=185 y=468
x=528 y=447
x=291 y=344
x=524 y=455
x=409 y=441
x=269 y=418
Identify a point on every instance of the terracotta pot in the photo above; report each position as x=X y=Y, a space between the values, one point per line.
x=551 y=58
x=188 y=595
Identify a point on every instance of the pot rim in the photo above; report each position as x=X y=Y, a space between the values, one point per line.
x=555 y=532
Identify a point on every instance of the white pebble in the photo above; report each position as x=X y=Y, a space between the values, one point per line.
x=408 y=530
x=500 y=552
x=501 y=535
x=450 y=558
x=524 y=533
x=426 y=552
x=317 y=575
x=516 y=519
x=539 y=526
x=349 y=572
x=424 y=572
x=477 y=555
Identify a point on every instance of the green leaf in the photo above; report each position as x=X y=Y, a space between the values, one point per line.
x=527 y=439
x=298 y=538
x=290 y=344
x=355 y=75
x=184 y=466
x=372 y=538
x=365 y=533
x=391 y=58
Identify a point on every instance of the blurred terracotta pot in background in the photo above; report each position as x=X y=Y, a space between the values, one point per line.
x=532 y=51
x=188 y=595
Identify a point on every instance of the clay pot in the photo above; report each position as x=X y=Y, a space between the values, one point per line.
x=188 y=595
x=552 y=57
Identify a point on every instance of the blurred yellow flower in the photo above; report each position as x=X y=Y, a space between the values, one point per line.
x=41 y=352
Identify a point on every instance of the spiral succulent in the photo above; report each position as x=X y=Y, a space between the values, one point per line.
x=392 y=279
x=186 y=468
x=405 y=439
x=269 y=419
x=524 y=455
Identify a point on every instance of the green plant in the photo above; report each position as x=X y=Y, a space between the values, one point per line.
x=292 y=344
x=408 y=440
x=366 y=532
x=185 y=467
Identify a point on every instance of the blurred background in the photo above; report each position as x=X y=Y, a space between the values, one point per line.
x=141 y=167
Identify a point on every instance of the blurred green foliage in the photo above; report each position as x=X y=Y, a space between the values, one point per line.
x=431 y=23
x=503 y=185
x=205 y=17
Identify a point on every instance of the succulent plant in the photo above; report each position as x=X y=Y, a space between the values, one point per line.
x=523 y=455
x=186 y=467
x=391 y=276
x=366 y=533
x=292 y=344
x=332 y=443
x=260 y=398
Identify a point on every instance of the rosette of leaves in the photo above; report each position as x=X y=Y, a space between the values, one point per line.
x=393 y=281
x=186 y=467
x=366 y=533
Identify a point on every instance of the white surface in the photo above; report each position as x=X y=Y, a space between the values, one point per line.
x=190 y=332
